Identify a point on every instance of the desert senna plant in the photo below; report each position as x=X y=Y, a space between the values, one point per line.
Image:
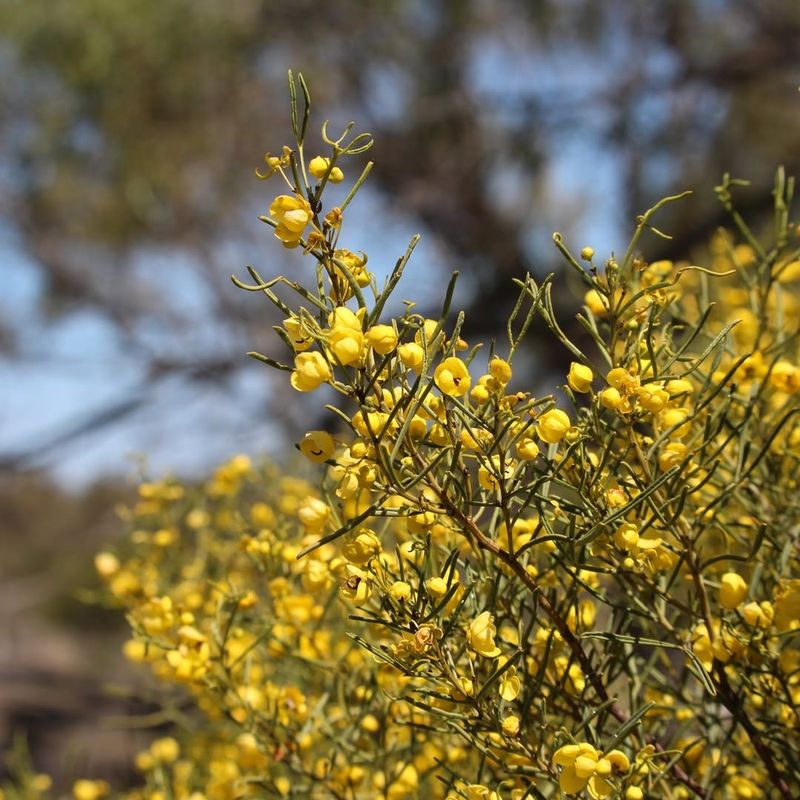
x=483 y=592
x=601 y=579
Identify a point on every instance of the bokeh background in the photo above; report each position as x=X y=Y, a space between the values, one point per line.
x=129 y=132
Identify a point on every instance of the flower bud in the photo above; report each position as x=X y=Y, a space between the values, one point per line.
x=553 y=426
x=580 y=377
x=500 y=370
x=382 y=339
x=732 y=590
x=400 y=590
x=319 y=165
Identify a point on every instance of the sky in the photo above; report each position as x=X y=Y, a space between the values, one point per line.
x=186 y=429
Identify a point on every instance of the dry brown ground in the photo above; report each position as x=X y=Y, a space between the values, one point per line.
x=64 y=686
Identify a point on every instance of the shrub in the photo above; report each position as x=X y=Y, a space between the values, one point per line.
x=482 y=593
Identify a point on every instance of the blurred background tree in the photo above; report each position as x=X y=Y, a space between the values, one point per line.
x=128 y=137
x=129 y=133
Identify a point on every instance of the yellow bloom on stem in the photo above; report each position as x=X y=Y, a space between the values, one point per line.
x=623 y=381
x=510 y=684
x=580 y=377
x=293 y=214
x=500 y=370
x=452 y=377
x=165 y=750
x=437 y=586
x=362 y=546
x=480 y=635
x=785 y=377
x=652 y=398
x=553 y=426
x=313 y=514
x=527 y=449
x=382 y=339
x=299 y=337
x=678 y=387
x=317 y=446
x=344 y=338
x=611 y=398
x=596 y=303
x=759 y=615
x=358 y=587
x=732 y=590
x=311 y=370
x=510 y=725
x=582 y=767
x=319 y=165
x=787 y=605
x=356 y=264
x=412 y=355
x=89 y=790
x=400 y=590
x=106 y=564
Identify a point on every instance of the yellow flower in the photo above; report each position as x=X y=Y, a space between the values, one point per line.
x=106 y=564
x=452 y=377
x=510 y=684
x=356 y=264
x=165 y=750
x=623 y=381
x=759 y=614
x=313 y=513
x=580 y=377
x=553 y=426
x=319 y=165
x=292 y=214
x=299 y=337
x=527 y=449
x=437 y=587
x=596 y=303
x=480 y=635
x=787 y=605
x=679 y=386
x=611 y=398
x=732 y=590
x=363 y=546
x=785 y=377
x=500 y=370
x=653 y=398
x=317 y=446
x=405 y=784
x=382 y=339
x=587 y=253
x=477 y=791
x=412 y=355
x=510 y=725
x=427 y=336
x=582 y=767
x=358 y=587
x=400 y=590
x=311 y=370
x=742 y=788
x=89 y=790
x=671 y=418
x=672 y=455
x=626 y=536
x=41 y=782
x=345 y=338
